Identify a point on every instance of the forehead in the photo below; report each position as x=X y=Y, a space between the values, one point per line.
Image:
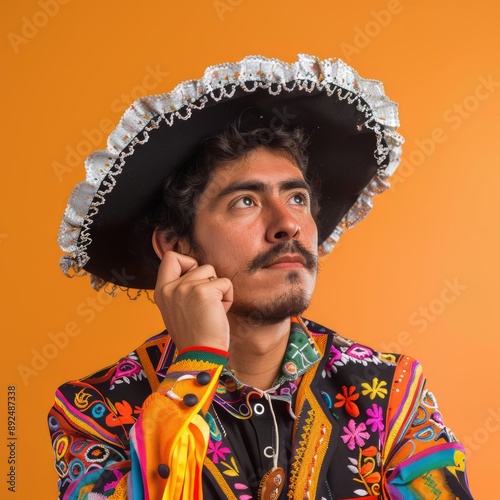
x=262 y=164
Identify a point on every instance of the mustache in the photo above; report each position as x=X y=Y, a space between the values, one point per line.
x=266 y=258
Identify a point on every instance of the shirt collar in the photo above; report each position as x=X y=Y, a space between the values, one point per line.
x=301 y=354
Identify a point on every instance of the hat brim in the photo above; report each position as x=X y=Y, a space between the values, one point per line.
x=347 y=150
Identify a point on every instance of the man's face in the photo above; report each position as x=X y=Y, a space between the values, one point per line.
x=254 y=225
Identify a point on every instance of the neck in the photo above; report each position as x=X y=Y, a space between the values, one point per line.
x=256 y=351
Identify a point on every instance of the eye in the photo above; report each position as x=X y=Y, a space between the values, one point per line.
x=299 y=199
x=244 y=202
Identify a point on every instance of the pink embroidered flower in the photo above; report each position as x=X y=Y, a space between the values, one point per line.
x=217 y=451
x=376 y=419
x=355 y=435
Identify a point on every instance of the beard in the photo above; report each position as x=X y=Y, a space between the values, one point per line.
x=292 y=302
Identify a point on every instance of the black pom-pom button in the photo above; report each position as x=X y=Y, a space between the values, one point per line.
x=190 y=399
x=163 y=471
x=203 y=378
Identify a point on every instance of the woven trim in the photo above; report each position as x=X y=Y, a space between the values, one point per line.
x=308 y=73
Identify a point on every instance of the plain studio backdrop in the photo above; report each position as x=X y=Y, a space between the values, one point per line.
x=419 y=276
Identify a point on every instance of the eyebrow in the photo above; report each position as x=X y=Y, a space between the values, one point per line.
x=262 y=187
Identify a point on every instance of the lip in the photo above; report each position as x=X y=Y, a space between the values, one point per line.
x=287 y=262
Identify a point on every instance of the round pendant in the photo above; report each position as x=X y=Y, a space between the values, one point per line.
x=271 y=484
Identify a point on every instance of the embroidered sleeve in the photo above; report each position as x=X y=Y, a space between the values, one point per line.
x=422 y=457
x=84 y=462
x=170 y=439
x=159 y=454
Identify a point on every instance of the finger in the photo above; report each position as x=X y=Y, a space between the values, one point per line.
x=202 y=274
x=225 y=287
x=222 y=287
x=173 y=265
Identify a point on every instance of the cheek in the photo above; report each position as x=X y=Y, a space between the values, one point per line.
x=228 y=237
x=219 y=248
x=310 y=235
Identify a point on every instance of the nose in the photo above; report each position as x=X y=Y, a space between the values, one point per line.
x=282 y=226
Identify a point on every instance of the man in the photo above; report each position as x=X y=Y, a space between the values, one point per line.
x=221 y=196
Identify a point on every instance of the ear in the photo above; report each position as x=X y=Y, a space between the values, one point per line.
x=161 y=245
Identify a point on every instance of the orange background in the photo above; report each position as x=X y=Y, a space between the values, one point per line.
x=420 y=275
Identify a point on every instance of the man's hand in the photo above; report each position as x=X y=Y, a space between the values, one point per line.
x=194 y=308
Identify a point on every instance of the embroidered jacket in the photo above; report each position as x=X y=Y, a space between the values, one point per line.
x=352 y=423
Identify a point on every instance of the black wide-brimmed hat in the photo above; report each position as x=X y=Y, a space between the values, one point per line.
x=353 y=149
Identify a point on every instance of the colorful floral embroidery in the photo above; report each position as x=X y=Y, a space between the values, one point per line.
x=232 y=470
x=81 y=399
x=217 y=451
x=389 y=358
x=341 y=355
x=376 y=419
x=96 y=453
x=377 y=388
x=365 y=467
x=335 y=355
x=244 y=496
x=122 y=413
x=355 y=435
x=347 y=399
x=359 y=352
x=128 y=368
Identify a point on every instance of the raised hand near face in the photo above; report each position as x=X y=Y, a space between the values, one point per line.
x=193 y=302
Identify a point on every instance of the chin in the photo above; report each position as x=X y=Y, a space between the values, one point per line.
x=271 y=311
